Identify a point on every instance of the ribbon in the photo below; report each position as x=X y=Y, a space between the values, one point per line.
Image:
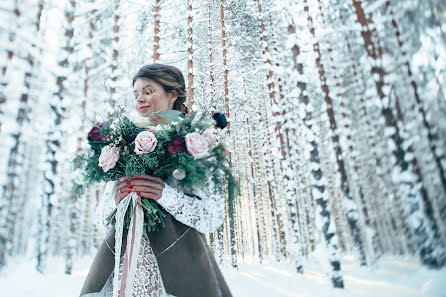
x=133 y=249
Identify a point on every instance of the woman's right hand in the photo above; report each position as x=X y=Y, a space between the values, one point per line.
x=123 y=188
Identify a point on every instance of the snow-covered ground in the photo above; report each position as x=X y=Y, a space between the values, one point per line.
x=391 y=277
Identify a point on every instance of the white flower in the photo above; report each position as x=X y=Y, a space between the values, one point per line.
x=139 y=121
x=179 y=174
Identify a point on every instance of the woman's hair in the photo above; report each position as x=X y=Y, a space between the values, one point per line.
x=170 y=78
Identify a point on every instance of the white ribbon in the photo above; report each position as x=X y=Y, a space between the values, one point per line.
x=133 y=249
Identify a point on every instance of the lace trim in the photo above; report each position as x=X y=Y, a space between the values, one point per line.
x=147 y=279
x=204 y=215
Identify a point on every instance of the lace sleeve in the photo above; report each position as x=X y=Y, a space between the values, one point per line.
x=106 y=205
x=205 y=214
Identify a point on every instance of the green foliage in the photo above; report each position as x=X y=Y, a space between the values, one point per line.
x=125 y=126
x=105 y=129
x=195 y=171
x=203 y=122
x=187 y=122
x=172 y=115
x=168 y=164
x=135 y=166
x=97 y=145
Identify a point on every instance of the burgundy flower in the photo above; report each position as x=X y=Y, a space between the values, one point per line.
x=94 y=133
x=177 y=145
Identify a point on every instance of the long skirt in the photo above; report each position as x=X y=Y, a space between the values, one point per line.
x=187 y=266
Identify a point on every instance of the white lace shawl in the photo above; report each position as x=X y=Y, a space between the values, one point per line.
x=205 y=214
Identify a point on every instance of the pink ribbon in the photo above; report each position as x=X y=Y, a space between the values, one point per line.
x=128 y=256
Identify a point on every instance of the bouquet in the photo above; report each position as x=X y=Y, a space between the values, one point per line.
x=185 y=149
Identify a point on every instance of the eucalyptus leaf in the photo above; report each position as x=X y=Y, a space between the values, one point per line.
x=172 y=115
x=105 y=129
x=188 y=120
x=97 y=145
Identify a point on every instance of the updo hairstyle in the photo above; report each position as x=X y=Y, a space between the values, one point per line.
x=170 y=78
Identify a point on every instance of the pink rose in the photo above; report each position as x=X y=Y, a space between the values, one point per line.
x=145 y=142
x=108 y=158
x=197 y=145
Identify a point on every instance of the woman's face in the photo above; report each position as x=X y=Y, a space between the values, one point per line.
x=151 y=97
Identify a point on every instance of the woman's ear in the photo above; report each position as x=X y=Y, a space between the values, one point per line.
x=173 y=97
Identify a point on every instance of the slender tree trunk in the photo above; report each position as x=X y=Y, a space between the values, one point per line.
x=324 y=220
x=190 y=62
x=228 y=132
x=156 y=38
x=114 y=65
x=9 y=55
x=253 y=174
x=211 y=59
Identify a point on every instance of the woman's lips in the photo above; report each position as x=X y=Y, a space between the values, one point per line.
x=143 y=108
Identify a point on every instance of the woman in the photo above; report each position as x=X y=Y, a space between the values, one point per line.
x=184 y=266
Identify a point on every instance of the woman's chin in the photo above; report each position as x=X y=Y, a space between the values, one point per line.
x=143 y=113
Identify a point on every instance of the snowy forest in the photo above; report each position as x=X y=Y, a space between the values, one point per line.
x=336 y=116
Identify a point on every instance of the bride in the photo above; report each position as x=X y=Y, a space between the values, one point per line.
x=174 y=261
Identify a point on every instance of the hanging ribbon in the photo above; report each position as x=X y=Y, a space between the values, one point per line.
x=133 y=249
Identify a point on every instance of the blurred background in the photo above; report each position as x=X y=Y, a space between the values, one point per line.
x=337 y=124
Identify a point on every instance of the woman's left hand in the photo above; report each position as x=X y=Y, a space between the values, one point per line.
x=147 y=186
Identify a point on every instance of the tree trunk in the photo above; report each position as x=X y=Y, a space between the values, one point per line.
x=324 y=220
x=190 y=62
x=156 y=38
x=115 y=42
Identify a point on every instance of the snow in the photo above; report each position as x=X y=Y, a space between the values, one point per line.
x=391 y=276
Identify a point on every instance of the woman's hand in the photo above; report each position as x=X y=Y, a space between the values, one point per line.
x=145 y=186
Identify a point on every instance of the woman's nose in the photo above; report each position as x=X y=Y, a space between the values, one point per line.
x=140 y=98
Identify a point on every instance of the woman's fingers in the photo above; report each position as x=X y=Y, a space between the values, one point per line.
x=145 y=189
x=146 y=183
x=145 y=186
x=147 y=177
x=150 y=196
x=122 y=189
